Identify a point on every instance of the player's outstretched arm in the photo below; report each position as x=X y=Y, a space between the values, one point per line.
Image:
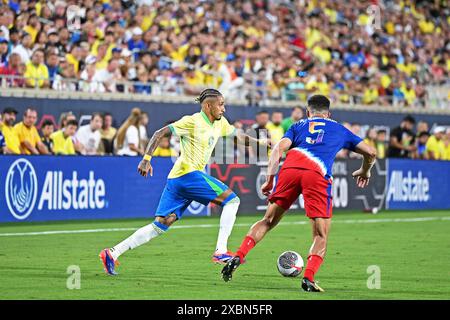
x=274 y=161
x=145 y=166
x=248 y=140
x=369 y=154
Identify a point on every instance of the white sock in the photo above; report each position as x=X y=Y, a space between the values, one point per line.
x=139 y=237
x=227 y=220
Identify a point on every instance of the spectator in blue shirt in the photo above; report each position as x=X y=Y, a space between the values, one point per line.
x=136 y=44
x=354 y=57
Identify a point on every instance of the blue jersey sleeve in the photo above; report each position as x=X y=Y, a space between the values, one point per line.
x=351 y=140
x=290 y=134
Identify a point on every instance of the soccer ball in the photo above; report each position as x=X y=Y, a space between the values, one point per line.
x=290 y=264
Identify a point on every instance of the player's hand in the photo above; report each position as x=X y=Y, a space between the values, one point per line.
x=265 y=142
x=362 y=178
x=145 y=168
x=266 y=188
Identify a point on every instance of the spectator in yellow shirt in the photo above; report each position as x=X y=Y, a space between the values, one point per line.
x=381 y=144
x=194 y=80
x=33 y=26
x=275 y=128
x=409 y=92
x=36 y=70
x=62 y=139
x=435 y=146
x=447 y=145
x=28 y=135
x=371 y=93
x=164 y=149
x=371 y=137
x=7 y=129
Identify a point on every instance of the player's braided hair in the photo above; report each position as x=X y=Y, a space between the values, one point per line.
x=206 y=94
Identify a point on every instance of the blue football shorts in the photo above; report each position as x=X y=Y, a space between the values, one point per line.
x=193 y=186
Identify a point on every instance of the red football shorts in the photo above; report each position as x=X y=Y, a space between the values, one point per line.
x=315 y=188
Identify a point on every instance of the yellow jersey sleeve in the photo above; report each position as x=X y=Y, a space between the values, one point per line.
x=227 y=128
x=183 y=127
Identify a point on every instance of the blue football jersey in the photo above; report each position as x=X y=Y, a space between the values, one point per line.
x=315 y=143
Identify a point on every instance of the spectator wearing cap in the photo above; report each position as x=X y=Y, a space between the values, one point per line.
x=401 y=142
x=435 y=146
x=116 y=53
x=28 y=135
x=7 y=128
x=136 y=44
x=36 y=72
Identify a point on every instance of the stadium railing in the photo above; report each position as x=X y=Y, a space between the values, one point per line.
x=249 y=93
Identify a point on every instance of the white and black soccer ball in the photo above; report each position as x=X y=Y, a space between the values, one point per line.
x=290 y=264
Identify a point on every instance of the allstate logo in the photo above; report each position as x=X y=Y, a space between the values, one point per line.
x=21 y=188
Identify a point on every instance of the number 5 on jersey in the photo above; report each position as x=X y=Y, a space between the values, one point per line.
x=313 y=130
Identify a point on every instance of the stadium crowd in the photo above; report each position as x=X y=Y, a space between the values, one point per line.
x=100 y=136
x=384 y=52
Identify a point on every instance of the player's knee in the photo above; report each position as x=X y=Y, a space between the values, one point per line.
x=269 y=222
x=234 y=199
x=168 y=220
x=320 y=238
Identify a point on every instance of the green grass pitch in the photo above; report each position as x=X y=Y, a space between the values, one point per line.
x=410 y=248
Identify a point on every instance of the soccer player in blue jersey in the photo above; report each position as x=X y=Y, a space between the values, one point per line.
x=311 y=145
x=187 y=180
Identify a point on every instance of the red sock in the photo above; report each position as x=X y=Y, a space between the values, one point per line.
x=245 y=247
x=312 y=266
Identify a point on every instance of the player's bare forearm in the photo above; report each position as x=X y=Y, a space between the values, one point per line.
x=274 y=161
x=247 y=140
x=369 y=154
x=277 y=152
x=145 y=167
x=154 y=141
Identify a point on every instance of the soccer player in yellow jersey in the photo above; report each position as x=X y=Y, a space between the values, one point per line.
x=187 y=181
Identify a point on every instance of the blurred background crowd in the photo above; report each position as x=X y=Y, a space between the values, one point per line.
x=369 y=52
x=101 y=136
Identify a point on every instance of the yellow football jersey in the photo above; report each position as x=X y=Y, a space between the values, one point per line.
x=198 y=138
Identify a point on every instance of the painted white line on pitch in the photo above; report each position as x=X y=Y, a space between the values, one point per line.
x=348 y=221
